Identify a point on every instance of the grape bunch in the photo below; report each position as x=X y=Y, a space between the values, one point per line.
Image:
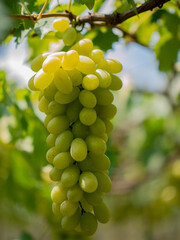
x=75 y=94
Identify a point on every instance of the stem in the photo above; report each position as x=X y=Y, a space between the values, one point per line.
x=42 y=10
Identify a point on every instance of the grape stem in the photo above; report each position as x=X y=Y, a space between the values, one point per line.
x=98 y=19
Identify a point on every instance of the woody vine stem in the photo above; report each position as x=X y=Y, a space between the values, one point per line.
x=97 y=19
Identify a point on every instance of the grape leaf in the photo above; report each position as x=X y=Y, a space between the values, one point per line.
x=88 y=3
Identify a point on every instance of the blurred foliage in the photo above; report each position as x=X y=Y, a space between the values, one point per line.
x=144 y=147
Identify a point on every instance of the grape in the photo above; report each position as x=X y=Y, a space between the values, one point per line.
x=85 y=205
x=56 y=209
x=69 y=36
x=63 y=141
x=67 y=98
x=55 y=174
x=68 y=208
x=87 y=116
x=75 y=193
x=90 y=82
x=78 y=149
x=75 y=76
x=55 y=108
x=104 y=182
x=61 y=24
x=73 y=111
x=37 y=62
x=47 y=119
x=84 y=46
x=60 y=55
x=62 y=81
x=108 y=111
x=96 y=144
x=103 y=96
x=86 y=65
x=50 y=140
x=31 y=84
x=96 y=55
x=79 y=130
x=95 y=198
x=70 y=60
x=88 y=224
x=98 y=127
x=69 y=223
x=88 y=182
x=108 y=124
x=70 y=176
x=100 y=161
x=51 y=64
x=42 y=79
x=62 y=160
x=87 y=99
x=58 y=124
x=110 y=65
x=102 y=213
x=50 y=91
x=51 y=153
x=43 y=105
x=104 y=78
x=116 y=83
x=58 y=193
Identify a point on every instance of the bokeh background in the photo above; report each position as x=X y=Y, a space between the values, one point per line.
x=144 y=146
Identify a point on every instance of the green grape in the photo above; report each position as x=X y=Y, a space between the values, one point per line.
x=90 y=82
x=60 y=55
x=37 y=62
x=102 y=213
x=96 y=55
x=73 y=111
x=41 y=94
x=108 y=124
x=47 y=119
x=104 y=78
x=110 y=65
x=67 y=98
x=55 y=108
x=56 y=209
x=55 y=174
x=70 y=60
x=85 y=205
x=69 y=223
x=86 y=165
x=50 y=91
x=79 y=130
x=86 y=65
x=58 y=124
x=62 y=81
x=69 y=36
x=96 y=144
x=100 y=161
x=61 y=24
x=43 y=105
x=104 y=182
x=42 y=79
x=58 y=193
x=75 y=76
x=50 y=140
x=68 y=208
x=62 y=160
x=87 y=99
x=95 y=198
x=75 y=193
x=31 y=84
x=63 y=141
x=88 y=224
x=88 y=182
x=103 y=96
x=84 y=46
x=108 y=111
x=116 y=83
x=78 y=149
x=98 y=128
x=51 y=64
x=87 y=116
x=51 y=153
x=70 y=176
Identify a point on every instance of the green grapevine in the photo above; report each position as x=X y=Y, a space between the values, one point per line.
x=76 y=96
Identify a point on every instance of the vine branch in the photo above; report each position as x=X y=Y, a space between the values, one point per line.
x=110 y=20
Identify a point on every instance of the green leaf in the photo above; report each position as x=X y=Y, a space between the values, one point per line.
x=88 y=3
x=133 y=4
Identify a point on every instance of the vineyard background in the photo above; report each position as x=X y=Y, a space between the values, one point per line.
x=144 y=146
